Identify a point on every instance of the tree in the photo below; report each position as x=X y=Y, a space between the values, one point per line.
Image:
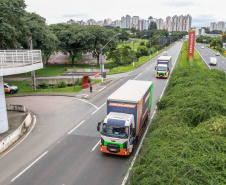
x=152 y=26
x=42 y=36
x=122 y=56
x=11 y=23
x=142 y=51
x=74 y=39
x=100 y=37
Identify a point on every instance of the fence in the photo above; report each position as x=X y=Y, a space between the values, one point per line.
x=18 y=58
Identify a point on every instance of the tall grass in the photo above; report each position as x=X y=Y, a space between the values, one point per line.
x=186 y=143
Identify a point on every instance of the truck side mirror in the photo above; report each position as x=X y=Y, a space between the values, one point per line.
x=155 y=67
x=98 y=126
x=133 y=132
x=168 y=68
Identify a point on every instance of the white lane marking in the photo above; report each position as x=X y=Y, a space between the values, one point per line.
x=87 y=102
x=21 y=139
x=95 y=146
x=76 y=127
x=137 y=76
x=102 y=89
x=98 y=108
x=29 y=166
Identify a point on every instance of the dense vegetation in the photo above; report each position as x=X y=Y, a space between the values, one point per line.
x=186 y=143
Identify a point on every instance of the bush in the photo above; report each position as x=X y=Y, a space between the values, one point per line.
x=45 y=85
x=61 y=84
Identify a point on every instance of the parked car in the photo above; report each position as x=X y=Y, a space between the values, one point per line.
x=217 y=54
x=202 y=47
x=213 y=61
x=10 y=88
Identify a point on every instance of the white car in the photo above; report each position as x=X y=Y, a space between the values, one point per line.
x=217 y=54
x=202 y=47
x=10 y=88
x=213 y=61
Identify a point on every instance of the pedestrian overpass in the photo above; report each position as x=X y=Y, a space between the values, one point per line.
x=15 y=62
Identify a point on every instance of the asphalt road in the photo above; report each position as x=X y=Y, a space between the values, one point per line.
x=63 y=146
x=206 y=53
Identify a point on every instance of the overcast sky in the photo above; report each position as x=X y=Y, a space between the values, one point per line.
x=202 y=11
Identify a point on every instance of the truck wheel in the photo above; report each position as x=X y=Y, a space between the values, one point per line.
x=11 y=91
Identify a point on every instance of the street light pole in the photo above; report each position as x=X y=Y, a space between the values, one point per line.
x=101 y=50
x=32 y=72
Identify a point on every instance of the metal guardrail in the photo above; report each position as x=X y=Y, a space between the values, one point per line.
x=19 y=58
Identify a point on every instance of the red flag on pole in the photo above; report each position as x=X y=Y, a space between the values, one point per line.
x=191 y=44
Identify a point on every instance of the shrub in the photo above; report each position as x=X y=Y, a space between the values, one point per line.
x=45 y=85
x=62 y=84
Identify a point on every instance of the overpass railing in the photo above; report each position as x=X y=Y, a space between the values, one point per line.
x=19 y=58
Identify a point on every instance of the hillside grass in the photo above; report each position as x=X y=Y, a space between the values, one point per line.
x=186 y=143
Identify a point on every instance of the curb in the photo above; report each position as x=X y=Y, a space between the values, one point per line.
x=19 y=132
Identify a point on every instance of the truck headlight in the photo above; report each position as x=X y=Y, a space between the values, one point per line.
x=102 y=141
x=125 y=145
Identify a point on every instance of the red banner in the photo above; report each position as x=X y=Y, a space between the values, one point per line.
x=191 y=43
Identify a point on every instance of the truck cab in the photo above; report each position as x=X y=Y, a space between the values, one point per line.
x=117 y=133
x=163 y=66
x=162 y=70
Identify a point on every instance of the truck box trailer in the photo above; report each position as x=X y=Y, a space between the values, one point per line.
x=128 y=109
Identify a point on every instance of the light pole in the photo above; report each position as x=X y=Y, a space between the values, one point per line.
x=32 y=72
x=101 y=49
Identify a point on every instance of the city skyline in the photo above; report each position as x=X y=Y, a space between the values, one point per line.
x=202 y=12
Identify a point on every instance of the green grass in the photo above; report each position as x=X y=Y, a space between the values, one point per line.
x=186 y=143
x=123 y=69
x=25 y=88
x=185 y=63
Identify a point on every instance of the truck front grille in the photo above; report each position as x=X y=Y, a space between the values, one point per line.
x=113 y=148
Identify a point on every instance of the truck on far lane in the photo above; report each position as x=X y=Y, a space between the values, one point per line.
x=163 y=67
x=128 y=109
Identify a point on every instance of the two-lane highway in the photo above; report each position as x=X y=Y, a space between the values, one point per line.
x=206 y=53
x=63 y=147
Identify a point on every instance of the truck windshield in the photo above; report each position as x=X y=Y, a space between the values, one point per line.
x=115 y=131
x=159 y=68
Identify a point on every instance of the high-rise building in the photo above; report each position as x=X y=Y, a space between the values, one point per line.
x=213 y=26
x=174 y=23
x=135 y=20
x=181 y=23
x=128 y=21
x=187 y=23
x=221 y=26
x=141 y=24
x=123 y=22
x=168 y=24
x=159 y=23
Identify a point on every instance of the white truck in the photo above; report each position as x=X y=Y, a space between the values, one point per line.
x=128 y=109
x=163 y=66
x=213 y=61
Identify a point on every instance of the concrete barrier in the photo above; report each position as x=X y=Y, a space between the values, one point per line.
x=14 y=136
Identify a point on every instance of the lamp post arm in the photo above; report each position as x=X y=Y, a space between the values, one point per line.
x=108 y=42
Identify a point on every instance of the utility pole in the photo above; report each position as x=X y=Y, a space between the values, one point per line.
x=32 y=72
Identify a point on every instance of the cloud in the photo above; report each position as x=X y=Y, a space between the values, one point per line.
x=202 y=20
x=179 y=4
x=74 y=15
